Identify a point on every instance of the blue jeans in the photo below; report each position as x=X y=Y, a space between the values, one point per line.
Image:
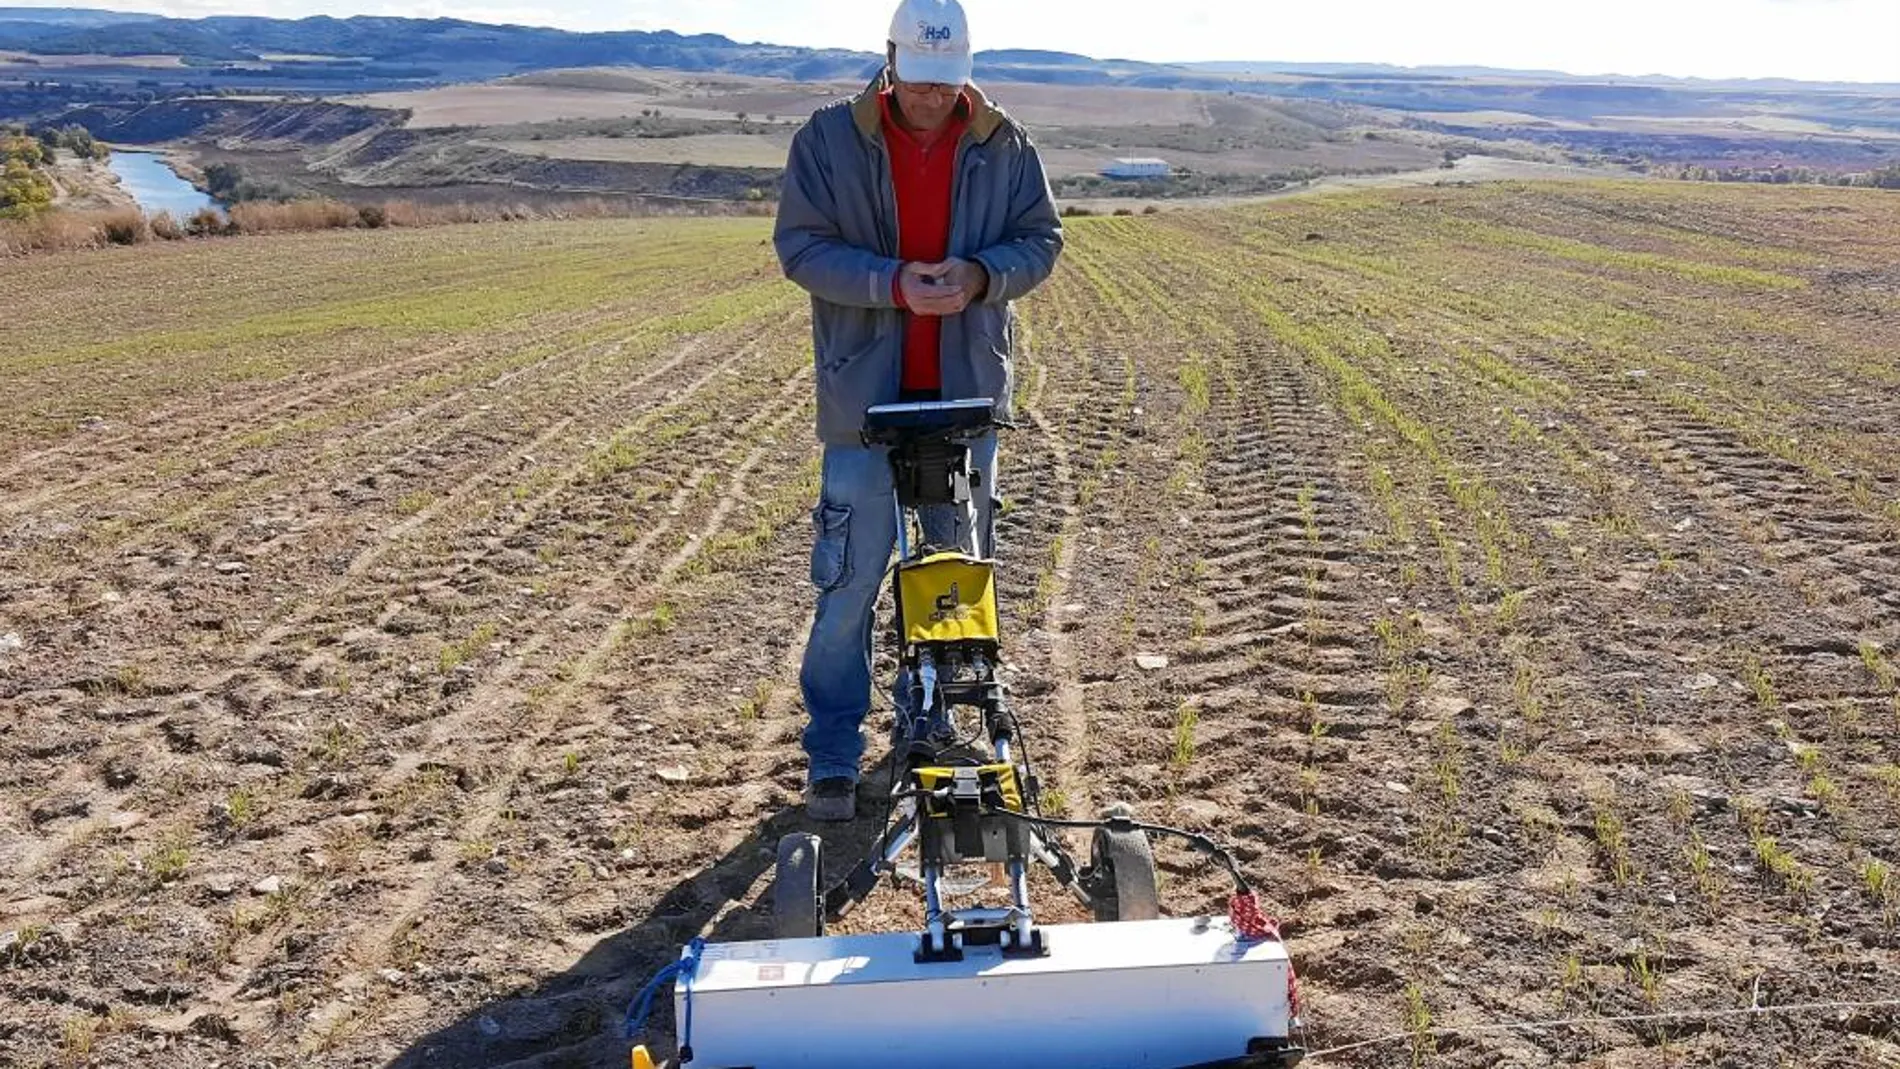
x=854 y=529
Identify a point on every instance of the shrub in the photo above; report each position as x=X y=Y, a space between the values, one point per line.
x=165 y=227
x=373 y=216
x=266 y=217
x=123 y=226
x=206 y=222
x=50 y=232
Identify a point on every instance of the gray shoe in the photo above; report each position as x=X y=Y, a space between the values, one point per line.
x=833 y=800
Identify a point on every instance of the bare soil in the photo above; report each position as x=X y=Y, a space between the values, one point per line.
x=399 y=630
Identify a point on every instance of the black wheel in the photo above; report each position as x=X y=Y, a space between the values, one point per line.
x=1122 y=865
x=798 y=905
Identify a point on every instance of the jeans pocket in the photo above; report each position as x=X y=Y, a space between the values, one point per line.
x=830 y=546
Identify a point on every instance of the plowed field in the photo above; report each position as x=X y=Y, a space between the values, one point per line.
x=399 y=630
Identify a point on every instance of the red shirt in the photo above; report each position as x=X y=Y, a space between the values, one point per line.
x=923 y=167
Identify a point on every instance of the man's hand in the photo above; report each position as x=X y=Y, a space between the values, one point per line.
x=942 y=289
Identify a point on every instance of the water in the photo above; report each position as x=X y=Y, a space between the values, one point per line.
x=156 y=186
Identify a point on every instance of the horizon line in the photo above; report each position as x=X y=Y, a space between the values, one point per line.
x=1182 y=64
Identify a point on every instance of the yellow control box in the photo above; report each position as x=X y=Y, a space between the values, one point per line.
x=1004 y=776
x=948 y=597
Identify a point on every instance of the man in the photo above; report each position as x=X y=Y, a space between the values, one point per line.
x=914 y=214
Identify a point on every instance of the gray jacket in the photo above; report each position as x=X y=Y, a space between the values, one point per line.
x=837 y=238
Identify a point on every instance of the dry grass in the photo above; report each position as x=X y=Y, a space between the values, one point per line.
x=49 y=232
x=270 y=217
x=71 y=230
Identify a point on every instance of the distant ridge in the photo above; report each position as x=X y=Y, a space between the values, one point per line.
x=71 y=16
x=444 y=50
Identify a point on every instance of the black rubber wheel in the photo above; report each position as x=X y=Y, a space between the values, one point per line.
x=1124 y=870
x=798 y=905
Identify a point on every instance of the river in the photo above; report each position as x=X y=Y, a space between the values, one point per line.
x=157 y=188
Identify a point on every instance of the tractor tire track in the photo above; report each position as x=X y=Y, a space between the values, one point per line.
x=259 y=662
x=367 y=939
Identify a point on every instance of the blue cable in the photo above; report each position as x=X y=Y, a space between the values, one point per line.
x=642 y=1005
x=689 y=968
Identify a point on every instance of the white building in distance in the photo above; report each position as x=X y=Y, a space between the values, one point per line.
x=1137 y=168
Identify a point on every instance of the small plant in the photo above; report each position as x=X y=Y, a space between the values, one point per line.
x=1648 y=977
x=1823 y=790
x=455 y=655
x=755 y=704
x=1194 y=382
x=1185 y=721
x=1781 y=862
x=414 y=502
x=1708 y=882
x=1844 y=719
x=1570 y=977
x=1877 y=877
x=1510 y=609
x=1309 y=790
x=337 y=744
x=1418 y=1021
x=1447 y=763
x=1807 y=758
x=167 y=860
x=1681 y=808
x=77 y=1035
x=1613 y=843
x=241 y=807
x=1877 y=666
x=570 y=764
x=1548 y=923
x=28 y=937
x=127 y=681
x=1055 y=802
x=343 y=847
x=1524 y=689
x=1761 y=684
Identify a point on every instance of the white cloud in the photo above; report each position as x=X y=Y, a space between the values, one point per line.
x=1817 y=39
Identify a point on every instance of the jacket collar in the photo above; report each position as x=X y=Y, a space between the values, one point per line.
x=985 y=118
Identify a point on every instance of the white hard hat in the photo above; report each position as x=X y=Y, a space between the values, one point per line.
x=933 y=42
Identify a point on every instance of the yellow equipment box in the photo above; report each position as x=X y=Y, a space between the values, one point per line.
x=948 y=597
x=1003 y=776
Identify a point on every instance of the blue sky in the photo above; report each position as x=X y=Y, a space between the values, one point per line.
x=1857 y=40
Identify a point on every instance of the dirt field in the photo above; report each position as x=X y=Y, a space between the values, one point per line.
x=398 y=630
x=1081 y=129
x=715 y=150
x=607 y=94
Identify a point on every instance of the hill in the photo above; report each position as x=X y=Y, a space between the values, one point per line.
x=468 y=105
x=71 y=16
